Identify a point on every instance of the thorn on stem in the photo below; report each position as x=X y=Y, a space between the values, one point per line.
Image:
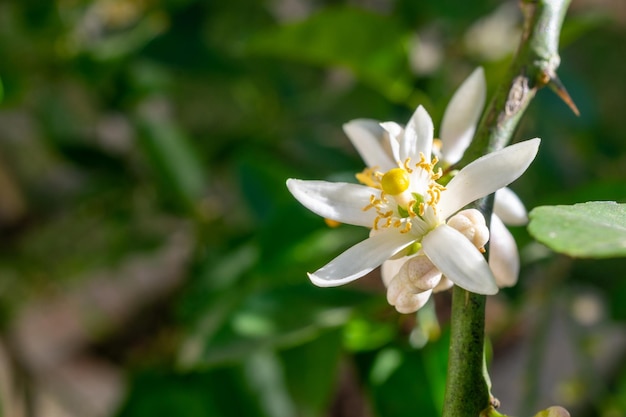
x=557 y=86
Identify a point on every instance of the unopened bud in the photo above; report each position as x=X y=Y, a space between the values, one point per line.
x=471 y=223
x=420 y=273
x=408 y=302
x=444 y=284
x=554 y=411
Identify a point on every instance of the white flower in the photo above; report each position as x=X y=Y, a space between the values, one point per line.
x=457 y=130
x=406 y=206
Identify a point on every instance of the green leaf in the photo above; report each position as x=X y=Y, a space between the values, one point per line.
x=594 y=229
x=372 y=46
x=222 y=391
x=173 y=160
x=312 y=387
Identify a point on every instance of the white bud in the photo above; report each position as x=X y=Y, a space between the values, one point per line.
x=409 y=290
x=443 y=285
x=420 y=273
x=471 y=223
x=408 y=303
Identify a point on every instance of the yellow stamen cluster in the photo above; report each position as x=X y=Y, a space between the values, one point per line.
x=434 y=188
x=370 y=177
x=396 y=183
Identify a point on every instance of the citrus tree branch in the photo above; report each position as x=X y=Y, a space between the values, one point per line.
x=534 y=66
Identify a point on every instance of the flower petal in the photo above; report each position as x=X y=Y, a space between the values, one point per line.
x=395 y=132
x=510 y=208
x=367 y=137
x=503 y=254
x=461 y=116
x=339 y=201
x=486 y=175
x=418 y=136
x=361 y=259
x=459 y=260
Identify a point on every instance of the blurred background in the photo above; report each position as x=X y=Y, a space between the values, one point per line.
x=152 y=262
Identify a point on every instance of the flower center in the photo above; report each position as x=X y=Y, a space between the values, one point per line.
x=395 y=181
x=408 y=195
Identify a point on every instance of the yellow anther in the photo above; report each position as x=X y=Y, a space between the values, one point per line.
x=407 y=227
x=395 y=181
x=332 y=223
x=410 y=208
x=373 y=203
x=369 y=177
x=407 y=168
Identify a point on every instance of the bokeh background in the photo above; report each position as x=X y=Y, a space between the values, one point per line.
x=152 y=262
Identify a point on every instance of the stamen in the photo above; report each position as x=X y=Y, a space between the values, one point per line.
x=370 y=177
x=407 y=168
x=410 y=209
x=373 y=203
x=332 y=223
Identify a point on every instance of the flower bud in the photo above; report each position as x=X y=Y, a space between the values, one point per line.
x=444 y=284
x=471 y=223
x=408 y=303
x=420 y=273
x=554 y=411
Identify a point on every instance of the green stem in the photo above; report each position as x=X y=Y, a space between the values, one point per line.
x=467 y=390
x=467 y=393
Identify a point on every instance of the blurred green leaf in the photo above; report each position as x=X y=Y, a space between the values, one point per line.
x=220 y=392
x=363 y=333
x=591 y=230
x=409 y=382
x=372 y=46
x=173 y=160
x=311 y=387
x=276 y=318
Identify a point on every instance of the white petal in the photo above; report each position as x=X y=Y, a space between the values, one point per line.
x=503 y=254
x=367 y=137
x=461 y=116
x=339 y=201
x=486 y=175
x=510 y=208
x=361 y=259
x=395 y=133
x=459 y=260
x=418 y=136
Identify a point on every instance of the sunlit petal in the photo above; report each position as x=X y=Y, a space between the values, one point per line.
x=486 y=175
x=395 y=132
x=360 y=259
x=367 y=136
x=510 y=208
x=459 y=260
x=342 y=202
x=503 y=254
x=418 y=136
x=461 y=116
